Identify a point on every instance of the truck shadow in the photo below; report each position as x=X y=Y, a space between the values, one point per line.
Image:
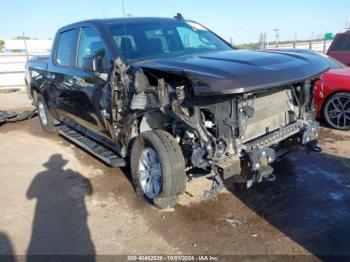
x=60 y=219
x=308 y=202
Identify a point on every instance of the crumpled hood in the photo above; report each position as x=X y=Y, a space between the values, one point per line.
x=240 y=71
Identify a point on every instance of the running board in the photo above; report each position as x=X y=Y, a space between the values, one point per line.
x=95 y=148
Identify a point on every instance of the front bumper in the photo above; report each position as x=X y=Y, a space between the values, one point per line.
x=257 y=155
x=307 y=131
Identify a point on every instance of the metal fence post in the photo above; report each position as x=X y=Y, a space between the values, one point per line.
x=25 y=46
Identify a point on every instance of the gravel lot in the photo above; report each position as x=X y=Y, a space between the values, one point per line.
x=57 y=199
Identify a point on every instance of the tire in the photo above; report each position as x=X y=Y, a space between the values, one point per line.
x=336 y=111
x=169 y=157
x=46 y=119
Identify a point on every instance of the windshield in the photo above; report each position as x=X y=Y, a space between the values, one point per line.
x=152 y=40
x=334 y=64
x=341 y=43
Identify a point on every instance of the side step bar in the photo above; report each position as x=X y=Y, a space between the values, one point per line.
x=95 y=148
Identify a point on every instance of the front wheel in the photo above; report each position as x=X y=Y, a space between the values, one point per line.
x=337 y=111
x=158 y=168
x=46 y=119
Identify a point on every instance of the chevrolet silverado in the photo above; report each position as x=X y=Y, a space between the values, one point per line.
x=174 y=101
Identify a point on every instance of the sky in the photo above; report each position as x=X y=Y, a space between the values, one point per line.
x=242 y=20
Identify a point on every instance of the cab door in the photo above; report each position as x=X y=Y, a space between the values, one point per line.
x=91 y=92
x=60 y=74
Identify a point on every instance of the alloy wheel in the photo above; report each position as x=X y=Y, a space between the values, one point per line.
x=337 y=111
x=42 y=113
x=150 y=173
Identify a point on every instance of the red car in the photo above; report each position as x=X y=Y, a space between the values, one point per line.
x=332 y=93
x=340 y=48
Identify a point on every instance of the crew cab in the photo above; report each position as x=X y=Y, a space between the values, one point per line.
x=174 y=101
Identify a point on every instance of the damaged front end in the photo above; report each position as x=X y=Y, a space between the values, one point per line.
x=235 y=135
x=241 y=135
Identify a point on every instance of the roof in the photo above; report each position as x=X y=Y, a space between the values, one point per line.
x=125 y=20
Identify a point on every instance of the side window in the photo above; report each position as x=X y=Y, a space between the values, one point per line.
x=192 y=39
x=91 y=47
x=65 y=54
x=342 y=43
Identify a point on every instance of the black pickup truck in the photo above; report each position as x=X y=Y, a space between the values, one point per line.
x=174 y=101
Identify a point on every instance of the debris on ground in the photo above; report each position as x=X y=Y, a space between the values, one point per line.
x=8 y=117
x=233 y=222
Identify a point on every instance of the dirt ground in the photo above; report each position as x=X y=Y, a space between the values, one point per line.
x=57 y=199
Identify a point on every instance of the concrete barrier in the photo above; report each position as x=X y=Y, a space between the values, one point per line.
x=319 y=46
x=12 y=68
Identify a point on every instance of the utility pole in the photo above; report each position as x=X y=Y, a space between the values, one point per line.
x=25 y=45
x=347 y=26
x=235 y=35
x=295 y=39
x=262 y=41
x=277 y=36
x=312 y=38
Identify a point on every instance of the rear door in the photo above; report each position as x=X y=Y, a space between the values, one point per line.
x=60 y=74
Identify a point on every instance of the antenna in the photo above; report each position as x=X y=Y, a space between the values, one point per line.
x=277 y=36
x=126 y=46
x=123 y=8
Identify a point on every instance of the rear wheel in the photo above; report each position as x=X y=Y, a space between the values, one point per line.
x=158 y=168
x=337 y=111
x=46 y=119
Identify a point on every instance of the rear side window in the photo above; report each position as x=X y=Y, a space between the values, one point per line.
x=341 y=43
x=65 y=55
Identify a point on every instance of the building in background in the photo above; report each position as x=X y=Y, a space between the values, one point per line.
x=27 y=46
x=15 y=53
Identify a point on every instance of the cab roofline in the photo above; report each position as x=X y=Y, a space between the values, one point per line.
x=121 y=20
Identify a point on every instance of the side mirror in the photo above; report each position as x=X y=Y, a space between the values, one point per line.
x=93 y=63
x=97 y=64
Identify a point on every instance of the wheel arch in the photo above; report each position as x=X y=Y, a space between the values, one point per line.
x=144 y=122
x=151 y=120
x=33 y=91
